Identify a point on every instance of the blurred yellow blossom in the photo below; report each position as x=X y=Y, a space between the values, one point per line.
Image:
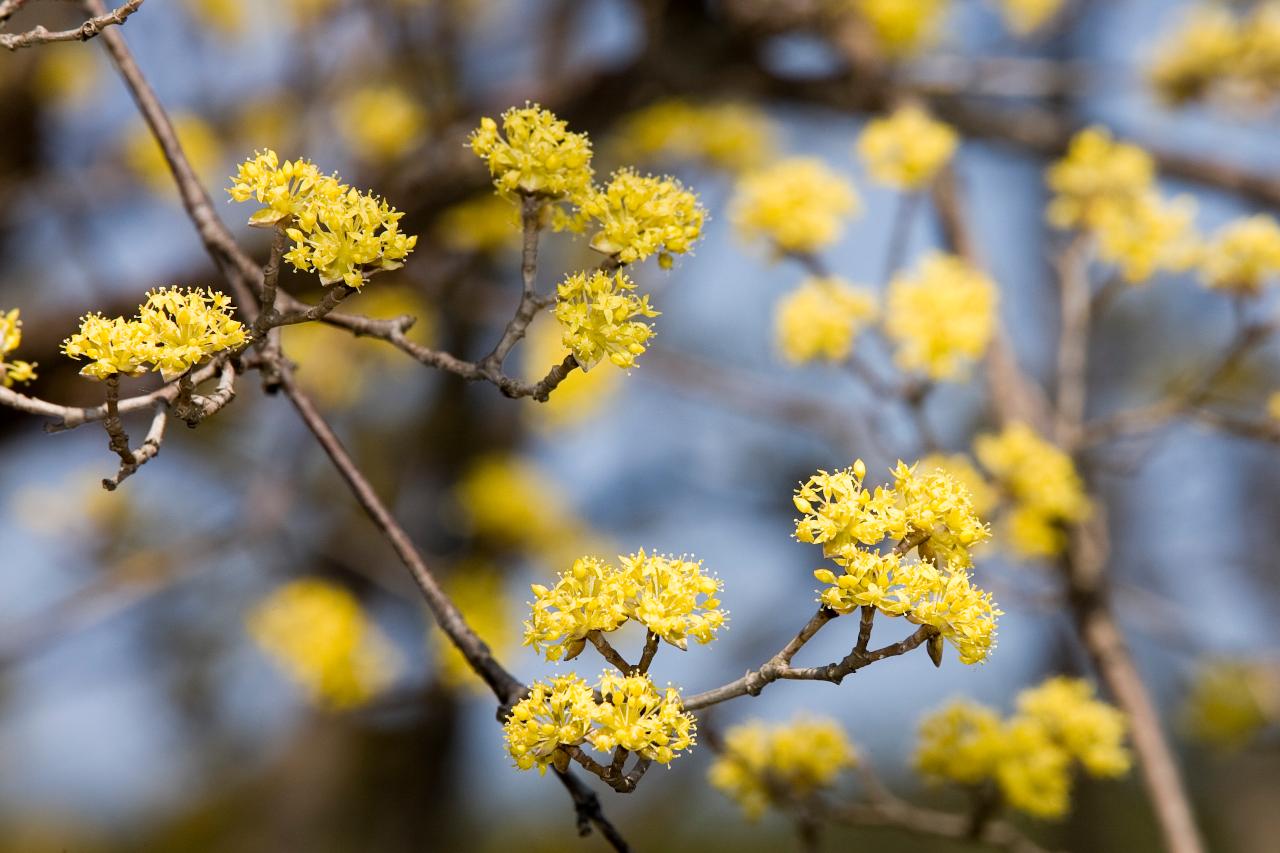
x=1232 y=701
x=902 y=28
x=1273 y=406
x=797 y=204
x=1031 y=755
x=10 y=339
x=1041 y=481
x=199 y=142
x=729 y=136
x=941 y=317
x=1024 y=17
x=65 y=74
x=799 y=757
x=595 y=311
x=580 y=395
x=486 y=223
x=380 y=123
x=1243 y=255
x=318 y=633
x=905 y=149
x=1215 y=51
x=481 y=596
x=821 y=318
x=224 y=17
x=1151 y=235
x=1097 y=176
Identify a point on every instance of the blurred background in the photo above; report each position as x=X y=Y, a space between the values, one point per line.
x=136 y=710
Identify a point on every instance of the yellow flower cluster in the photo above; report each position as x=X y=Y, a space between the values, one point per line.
x=728 y=136
x=632 y=713
x=380 y=123
x=319 y=635
x=821 y=318
x=534 y=154
x=934 y=514
x=640 y=215
x=942 y=317
x=798 y=758
x=338 y=232
x=798 y=204
x=174 y=330
x=486 y=223
x=960 y=468
x=479 y=593
x=595 y=311
x=1233 y=701
x=1243 y=256
x=10 y=340
x=670 y=596
x=1216 y=52
x=907 y=148
x=902 y=28
x=1096 y=174
x=1042 y=483
x=1150 y=235
x=1030 y=756
x=1024 y=17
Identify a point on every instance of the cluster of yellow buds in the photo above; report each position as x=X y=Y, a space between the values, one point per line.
x=534 y=154
x=10 y=339
x=942 y=317
x=929 y=513
x=759 y=761
x=596 y=313
x=1097 y=174
x=821 y=319
x=1216 y=52
x=174 y=331
x=1030 y=756
x=906 y=149
x=671 y=596
x=728 y=136
x=317 y=632
x=338 y=232
x=640 y=215
x=1041 y=482
x=631 y=713
x=797 y=204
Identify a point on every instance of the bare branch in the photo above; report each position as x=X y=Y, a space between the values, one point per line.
x=84 y=32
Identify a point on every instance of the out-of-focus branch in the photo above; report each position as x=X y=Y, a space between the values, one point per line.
x=84 y=32
x=1073 y=340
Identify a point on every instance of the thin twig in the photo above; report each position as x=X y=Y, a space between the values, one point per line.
x=84 y=32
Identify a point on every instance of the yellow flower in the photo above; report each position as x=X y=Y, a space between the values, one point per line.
x=942 y=317
x=728 y=136
x=1031 y=755
x=1024 y=17
x=902 y=28
x=1042 y=482
x=1243 y=255
x=10 y=338
x=671 y=597
x=595 y=313
x=319 y=635
x=380 y=123
x=1097 y=173
x=640 y=215
x=480 y=594
x=339 y=233
x=821 y=318
x=1232 y=701
x=199 y=141
x=579 y=396
x=797 y=204
x=907 y=148
x=551 y=716
x=174 y=330
x=798 y=758
x=935 y=512
x=485 y=223
x=1153 y=234
x=535 y=154
x=960 y=468
x=634 y=715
